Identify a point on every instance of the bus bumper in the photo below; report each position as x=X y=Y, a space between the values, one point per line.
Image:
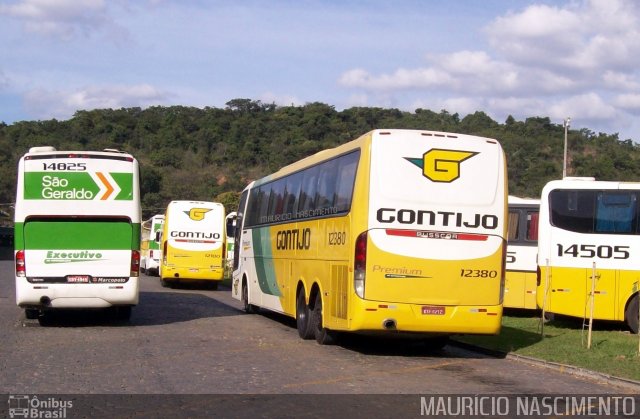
x=424 y=318
x=172 y=273
x=30 y=295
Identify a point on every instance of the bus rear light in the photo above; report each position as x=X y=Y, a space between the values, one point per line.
x=360 y=264
x=21 y=266
x=135 y=263
x=503 y=271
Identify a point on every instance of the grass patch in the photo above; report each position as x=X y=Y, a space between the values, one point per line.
x=613 y=350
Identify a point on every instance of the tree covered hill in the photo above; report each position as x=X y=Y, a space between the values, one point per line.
x=212 y=153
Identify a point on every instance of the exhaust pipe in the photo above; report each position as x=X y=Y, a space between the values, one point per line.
x=45 y=301
x=389 y=324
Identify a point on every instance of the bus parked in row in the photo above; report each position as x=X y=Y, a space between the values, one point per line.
x=522 y=252
x=77 y=230
x=396 y=231
x=150 y=245
x=193 y=243
x=590 y=231
x=231 y=232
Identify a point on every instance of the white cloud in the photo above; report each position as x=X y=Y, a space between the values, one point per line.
x=280 y=100
x=401 y=79
x=580 y=59
x=588 y=106
x=582 y=36
x=64 y=19
x=630 y=102
x=63 y=104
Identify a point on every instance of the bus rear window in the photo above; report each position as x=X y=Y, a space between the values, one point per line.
x=79 y=233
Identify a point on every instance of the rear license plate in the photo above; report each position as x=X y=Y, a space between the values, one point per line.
x=433 y=310
x=78 y=279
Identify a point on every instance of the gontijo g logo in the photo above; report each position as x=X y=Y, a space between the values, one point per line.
x=440 y=165
x=197 y=214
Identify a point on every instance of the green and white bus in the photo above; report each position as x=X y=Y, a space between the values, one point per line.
x=77 y=231
x=150 y=245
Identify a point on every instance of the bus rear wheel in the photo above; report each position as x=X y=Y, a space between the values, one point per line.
x=31 y=313
x=304 y=316
x=323 y=335
x=123 y=313
x=631 y=314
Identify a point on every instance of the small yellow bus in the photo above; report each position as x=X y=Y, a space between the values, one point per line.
x=193 y=243
x=522 y=253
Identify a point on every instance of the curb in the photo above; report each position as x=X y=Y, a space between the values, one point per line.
x=562 y=368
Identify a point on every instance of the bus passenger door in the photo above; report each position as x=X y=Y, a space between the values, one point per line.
x=605 y=294
x=567 y=291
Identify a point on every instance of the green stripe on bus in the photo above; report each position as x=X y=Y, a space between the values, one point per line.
x=263 y=258
x=78 y=235
x=125 y=182
x=73 y=186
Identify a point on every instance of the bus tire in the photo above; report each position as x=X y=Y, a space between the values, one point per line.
x=123 y=313
x=304 y=316
x=323 y=335
x=212 y=285
x=165 y=283
x=248 y=308
x=31 y=313
x=437 y=342
x=631 y=314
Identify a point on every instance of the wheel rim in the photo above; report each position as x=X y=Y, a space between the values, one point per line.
x=301 y=312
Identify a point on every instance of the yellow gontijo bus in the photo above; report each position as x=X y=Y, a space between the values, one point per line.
x=522 y=252
x=587 y=227
x=193 y=243
x=396 y=231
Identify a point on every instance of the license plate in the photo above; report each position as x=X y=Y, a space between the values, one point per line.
x=193 y=269
x=433 y=310
x=78 y=279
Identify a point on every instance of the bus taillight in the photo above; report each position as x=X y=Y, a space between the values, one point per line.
x=21 y=266
x=360 y=264
x=135 y=263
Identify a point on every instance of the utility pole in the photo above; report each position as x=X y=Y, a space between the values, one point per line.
x=566 y=123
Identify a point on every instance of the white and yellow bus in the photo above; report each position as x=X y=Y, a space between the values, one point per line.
x=150 y=245
x=77 y=230
x=396 y=231
x=522 y=253
x=590 y=229
x=193 y=243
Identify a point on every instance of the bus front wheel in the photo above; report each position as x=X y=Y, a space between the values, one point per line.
x=323 y=335
x=303 y=317
x=248 y=308
x=631 y=314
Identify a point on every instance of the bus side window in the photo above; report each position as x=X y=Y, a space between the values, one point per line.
x=532 y=225
x=514 y=225
x=345 y=181
x=308 y=190
x=326 y=184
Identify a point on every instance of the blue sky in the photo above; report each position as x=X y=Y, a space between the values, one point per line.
x=576 y=58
